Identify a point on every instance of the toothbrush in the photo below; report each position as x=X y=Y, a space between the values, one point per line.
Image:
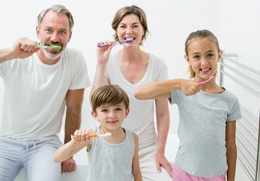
x=100 y=135
x=115 y=42
x=96 y=135
x=201 y=83
x=54 y=47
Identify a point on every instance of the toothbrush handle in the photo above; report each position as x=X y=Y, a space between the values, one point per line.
x=94 y=135
x=91 y=135
x=114 y=42
x=201 y=83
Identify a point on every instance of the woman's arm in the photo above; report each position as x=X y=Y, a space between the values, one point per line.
x=163 y=123
x=102 y=58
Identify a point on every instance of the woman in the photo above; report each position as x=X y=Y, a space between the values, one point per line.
x=131 y=67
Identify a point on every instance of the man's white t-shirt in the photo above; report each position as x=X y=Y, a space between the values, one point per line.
x=34 y=94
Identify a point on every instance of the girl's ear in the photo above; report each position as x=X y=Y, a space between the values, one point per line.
x=187 y=59
x=220 y=53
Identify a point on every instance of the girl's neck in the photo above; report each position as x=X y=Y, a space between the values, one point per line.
x=212 y=88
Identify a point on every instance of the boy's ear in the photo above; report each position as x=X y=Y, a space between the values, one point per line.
x=127 y=112
x=94 y=115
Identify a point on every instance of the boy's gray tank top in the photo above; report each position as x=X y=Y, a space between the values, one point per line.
x=111 y=162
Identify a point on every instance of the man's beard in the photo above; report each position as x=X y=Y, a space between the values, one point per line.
x=50 y=55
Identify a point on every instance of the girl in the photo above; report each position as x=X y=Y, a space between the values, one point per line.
x=207 y=125
x=113 y=158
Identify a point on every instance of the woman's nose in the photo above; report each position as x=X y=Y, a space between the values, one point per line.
x=129 y=29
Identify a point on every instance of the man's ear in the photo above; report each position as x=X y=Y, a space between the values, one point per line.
x=37 y=30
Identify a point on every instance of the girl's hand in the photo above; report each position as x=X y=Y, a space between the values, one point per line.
x=189 y=87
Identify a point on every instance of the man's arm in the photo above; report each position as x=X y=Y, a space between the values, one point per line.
x=22 y=48
x=74 y=101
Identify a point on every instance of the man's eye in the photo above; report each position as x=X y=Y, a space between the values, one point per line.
x=63 y=32
x=48 y=30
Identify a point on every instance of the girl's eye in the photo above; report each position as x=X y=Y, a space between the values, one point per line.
x=196 y=57
x=210 y=55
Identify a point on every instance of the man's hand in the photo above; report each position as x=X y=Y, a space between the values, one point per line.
x=68 y=165
x=23 y=48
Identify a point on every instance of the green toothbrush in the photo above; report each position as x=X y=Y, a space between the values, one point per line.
x=54 y=47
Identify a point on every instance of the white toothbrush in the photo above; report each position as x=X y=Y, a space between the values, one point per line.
x=116 y=42
x=96 y=135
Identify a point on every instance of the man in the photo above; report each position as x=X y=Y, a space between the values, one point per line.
x=40 y=79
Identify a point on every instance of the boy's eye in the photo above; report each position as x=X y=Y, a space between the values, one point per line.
x=104 y=110
x=118 y=109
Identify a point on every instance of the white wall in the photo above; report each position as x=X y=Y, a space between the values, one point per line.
x=169 y=25
x=235 y=22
